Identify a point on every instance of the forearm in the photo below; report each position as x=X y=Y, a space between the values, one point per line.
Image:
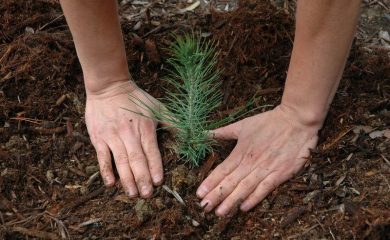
x=99 y=42
x=323 y=36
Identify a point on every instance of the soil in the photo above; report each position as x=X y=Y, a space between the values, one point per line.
x=49 y=182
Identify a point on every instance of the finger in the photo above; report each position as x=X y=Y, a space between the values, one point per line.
x=230 y=131
x=104 y=158
x=138 y=162
x=225 y=187
x=220 y=172
x=122 y=165
x=265 y=187
x=242 y=191
x=152 y=152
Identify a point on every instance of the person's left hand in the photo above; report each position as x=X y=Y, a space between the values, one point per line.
x=271 y=148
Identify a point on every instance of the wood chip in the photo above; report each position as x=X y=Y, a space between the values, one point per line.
x=292 y=216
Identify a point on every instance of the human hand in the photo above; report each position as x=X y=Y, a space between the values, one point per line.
x=129 y=136
x=271 y=148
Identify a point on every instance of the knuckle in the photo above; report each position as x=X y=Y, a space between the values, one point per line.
x=148 y=123
x=121 y=159
x=223 y=170
x=136 y=157
x=230 y=180
x=246 y=182
x=127 y=181
x=148 y=127
x=105 y=168
x=154 y=154
x=269 y=184
x=102 y=154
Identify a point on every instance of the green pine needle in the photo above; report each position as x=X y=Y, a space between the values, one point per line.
x=195 y=95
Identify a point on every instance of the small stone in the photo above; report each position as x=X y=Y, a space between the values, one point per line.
x=195 y=223
x=159 y=203
x=137 y=26
x=235 y=238
x=50 y=176
x=14 y=142
x=370 y=173
x=384 y=35
x=83 y=190
x=283 y=201
x=142 y=210
x=265 y=204
x=89 y=170
x=65 y=173
x=29 y=30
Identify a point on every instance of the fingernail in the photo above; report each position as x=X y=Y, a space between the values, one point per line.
x=201 y=192
x=145 y=191
x=131 y=192
x=157 y=179
x=108 y=181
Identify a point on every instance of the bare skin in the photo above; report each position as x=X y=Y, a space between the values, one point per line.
x=277 y=144
x=130 y=137
x=270 y=152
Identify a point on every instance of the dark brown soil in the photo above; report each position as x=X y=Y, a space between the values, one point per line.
x=48 y=185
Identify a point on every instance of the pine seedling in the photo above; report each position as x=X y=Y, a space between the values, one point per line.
x=194 y=96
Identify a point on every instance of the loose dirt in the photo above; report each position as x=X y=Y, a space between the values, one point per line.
x=49 y=185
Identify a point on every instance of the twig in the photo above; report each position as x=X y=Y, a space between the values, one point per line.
x=26 y=220
x=175 y=194
x=82 y=200
x=47 y=24
x=268 y=91
x=34 y=130
x=331 y=143
x=331 y=233
x=61 y=227
x=232 y=45
x=30 y=120
x=33 y=233
x=304 y=232
x=385 y=159
x=89 y=222
x=92 y=178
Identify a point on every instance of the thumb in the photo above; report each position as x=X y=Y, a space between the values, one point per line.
x=230 y=131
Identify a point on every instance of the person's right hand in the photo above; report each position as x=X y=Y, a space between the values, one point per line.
x=129 y=136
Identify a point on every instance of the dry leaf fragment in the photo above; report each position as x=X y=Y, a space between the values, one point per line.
x=190 y=7
x=122 y=198
x=378 y=134
x=365 y=129
x=340 y=180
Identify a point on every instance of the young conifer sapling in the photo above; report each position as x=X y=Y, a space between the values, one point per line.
x=194 y=96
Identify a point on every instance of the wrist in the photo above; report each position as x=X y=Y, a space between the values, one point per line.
x=111 y=88
x=105 y=74
x=303 y=117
